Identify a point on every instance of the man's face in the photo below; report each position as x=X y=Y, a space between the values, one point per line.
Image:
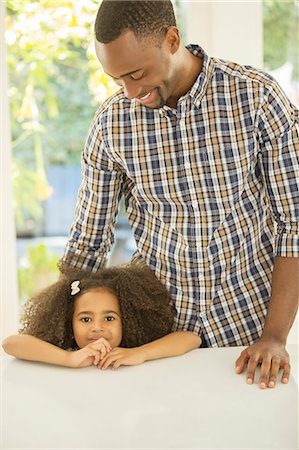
x=145 y=71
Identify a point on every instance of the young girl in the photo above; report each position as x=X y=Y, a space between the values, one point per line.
x=117 y=316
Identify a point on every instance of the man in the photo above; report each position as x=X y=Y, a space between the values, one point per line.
x=206 y=153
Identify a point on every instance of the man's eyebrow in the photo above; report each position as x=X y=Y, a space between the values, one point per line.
x=123 y=75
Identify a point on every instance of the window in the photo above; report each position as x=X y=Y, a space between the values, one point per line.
x=281 y=44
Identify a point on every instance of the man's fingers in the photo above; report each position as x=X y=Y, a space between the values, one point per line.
x=275 y=366
x=251 y=367
x=286 y=373
x=265 y=372
x=242 y=361
x=272 y=357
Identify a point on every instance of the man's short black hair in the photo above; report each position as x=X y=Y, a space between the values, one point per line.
x=145 y=18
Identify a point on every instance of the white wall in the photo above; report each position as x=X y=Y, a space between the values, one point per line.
x=8 y=277
x=230 y=30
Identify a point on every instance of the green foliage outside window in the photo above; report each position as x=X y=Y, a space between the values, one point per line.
x=56 y=85
x=281 y=34
x=40 y=270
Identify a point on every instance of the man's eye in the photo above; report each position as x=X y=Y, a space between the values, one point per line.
x=137 y=76
x=85 y=319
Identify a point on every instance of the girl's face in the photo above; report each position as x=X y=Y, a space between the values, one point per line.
x=97 y=315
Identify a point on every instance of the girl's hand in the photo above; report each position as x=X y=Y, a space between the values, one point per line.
x=122 y=357
x=89 y=355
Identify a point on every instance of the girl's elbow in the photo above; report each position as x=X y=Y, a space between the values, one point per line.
x=8 y=344
x=195 y=340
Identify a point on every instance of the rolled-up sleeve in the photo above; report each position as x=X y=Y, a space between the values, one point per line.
x=92 y=232
x=278 y=130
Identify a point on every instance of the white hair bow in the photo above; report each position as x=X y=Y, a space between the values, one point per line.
x=75 y=287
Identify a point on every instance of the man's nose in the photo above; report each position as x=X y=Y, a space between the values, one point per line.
x=131 y=90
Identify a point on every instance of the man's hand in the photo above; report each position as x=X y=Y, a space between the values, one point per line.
x=272 y=356
x=89 y=355
x=122 y=357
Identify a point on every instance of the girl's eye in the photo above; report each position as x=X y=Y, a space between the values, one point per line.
x=110 y=318
x=85 y=319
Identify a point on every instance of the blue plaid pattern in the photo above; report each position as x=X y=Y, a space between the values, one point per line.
x=211 y=192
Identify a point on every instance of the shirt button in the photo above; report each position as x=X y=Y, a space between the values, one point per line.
x=202 y=315
x=200 y=274
x=195 y=204
x=187 y=165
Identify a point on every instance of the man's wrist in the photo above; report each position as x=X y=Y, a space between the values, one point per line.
x=268 y=336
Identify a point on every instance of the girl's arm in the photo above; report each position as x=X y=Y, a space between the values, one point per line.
x=24 y=346
x=30 y=348
x=173 y=344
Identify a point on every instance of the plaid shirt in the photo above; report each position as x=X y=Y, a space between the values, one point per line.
x=211 y=192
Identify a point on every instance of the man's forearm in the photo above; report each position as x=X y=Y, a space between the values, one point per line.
x=284 y=299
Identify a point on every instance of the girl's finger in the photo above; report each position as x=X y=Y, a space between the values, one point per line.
x=109 y=360
x=103 y=352
x=97 y=358
x=116 y=365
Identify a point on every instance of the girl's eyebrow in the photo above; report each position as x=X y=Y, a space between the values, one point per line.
x=108 y=311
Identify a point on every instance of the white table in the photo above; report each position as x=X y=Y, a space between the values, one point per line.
x=194 y=401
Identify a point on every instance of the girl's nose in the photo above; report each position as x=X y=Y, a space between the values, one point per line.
x=97 y=326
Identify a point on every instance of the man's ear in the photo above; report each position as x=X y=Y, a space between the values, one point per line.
x=172 y=39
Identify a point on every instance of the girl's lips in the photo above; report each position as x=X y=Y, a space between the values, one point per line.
x=148 y=98
x=96 y=339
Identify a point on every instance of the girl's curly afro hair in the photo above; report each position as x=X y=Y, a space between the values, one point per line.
x=145 y=304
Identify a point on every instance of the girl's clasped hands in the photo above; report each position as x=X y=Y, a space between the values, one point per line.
x=101 y=354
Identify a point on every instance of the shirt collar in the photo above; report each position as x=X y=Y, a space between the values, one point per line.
x=198 y=89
